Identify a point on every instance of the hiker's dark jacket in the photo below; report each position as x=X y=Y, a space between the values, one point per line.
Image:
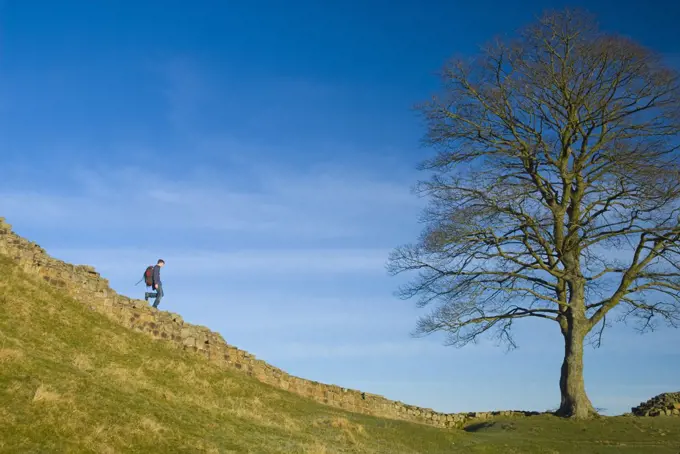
x=157 y=275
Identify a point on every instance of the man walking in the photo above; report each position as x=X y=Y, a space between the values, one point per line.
x=156 y=284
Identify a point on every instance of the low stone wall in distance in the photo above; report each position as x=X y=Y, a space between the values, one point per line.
x=667 y=404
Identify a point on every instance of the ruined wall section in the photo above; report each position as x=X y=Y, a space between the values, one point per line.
x=85 y=285
x=666 y=404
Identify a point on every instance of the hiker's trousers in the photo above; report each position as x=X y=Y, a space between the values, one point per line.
x=158 y=295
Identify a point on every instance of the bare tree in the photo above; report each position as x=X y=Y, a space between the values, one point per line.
x=555 y=192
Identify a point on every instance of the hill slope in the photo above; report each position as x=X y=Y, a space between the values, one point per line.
x=71 y=380
x=85 y=285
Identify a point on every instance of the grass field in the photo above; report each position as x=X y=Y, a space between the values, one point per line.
x=73 y=381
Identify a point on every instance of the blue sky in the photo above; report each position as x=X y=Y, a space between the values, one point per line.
x=266 y=151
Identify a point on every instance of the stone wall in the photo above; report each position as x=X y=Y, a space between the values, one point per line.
x=85 y=285
x=667 y=404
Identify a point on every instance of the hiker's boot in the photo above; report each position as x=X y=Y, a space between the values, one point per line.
x=146 y=297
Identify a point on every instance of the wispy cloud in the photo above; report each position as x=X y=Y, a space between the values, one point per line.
x=185 y=86
x=328 y=204
x=382 y=350
x=312 y=316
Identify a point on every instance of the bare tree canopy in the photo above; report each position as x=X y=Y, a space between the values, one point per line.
x=555 y=191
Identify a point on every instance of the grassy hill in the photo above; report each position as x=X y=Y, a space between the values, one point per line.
x=71 y=380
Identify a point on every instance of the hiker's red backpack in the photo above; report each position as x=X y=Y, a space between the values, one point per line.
x=148 y=276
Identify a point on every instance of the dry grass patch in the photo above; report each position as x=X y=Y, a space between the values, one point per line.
x=226 y=384
x=203 y=401
x=83 y=362
x=131 y=378
x=103 y=436
x=167 y=395
x=342 y=423
x=44 y=394
x=255 y=410
x=6 y=417
x=162 y=365
x=199 y=396
x=208 y=448
x=316 y=448
x=348 y=430
x=98 y=432
x=10 y=354
x=346 y=424
x=150 y=425
x=112 y=340
x=288 y=423
x=193 y=379
x=281 y=421
x=248 y=408
x=105 y=449
x=20 y=310
x=14 y=387
x=182 y=367
x=52 y=311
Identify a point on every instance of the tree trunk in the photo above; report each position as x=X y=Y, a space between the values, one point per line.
x=575 y=402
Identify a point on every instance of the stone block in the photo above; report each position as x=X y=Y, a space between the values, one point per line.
x=189 y=342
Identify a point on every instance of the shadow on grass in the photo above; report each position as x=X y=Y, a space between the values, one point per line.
x=479 y=426
x=495 y=426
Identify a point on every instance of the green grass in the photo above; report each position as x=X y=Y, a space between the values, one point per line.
x=73 y=381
